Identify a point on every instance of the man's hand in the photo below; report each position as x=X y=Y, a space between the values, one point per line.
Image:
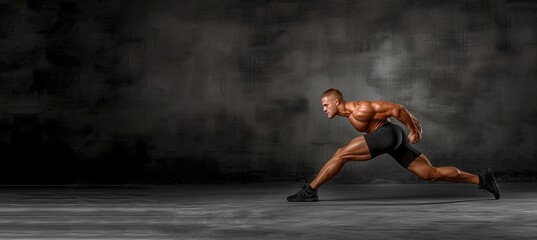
x=414 y=137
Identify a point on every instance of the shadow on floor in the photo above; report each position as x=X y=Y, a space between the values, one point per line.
x=393 y=201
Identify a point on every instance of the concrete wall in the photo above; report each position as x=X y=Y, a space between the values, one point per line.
x=227 y=91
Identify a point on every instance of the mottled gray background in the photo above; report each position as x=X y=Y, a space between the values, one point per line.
x=228 y=91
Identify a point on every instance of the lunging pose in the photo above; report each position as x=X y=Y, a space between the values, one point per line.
x=372 y=117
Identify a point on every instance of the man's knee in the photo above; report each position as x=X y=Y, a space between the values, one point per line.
x=432 y=175
x=341 y=154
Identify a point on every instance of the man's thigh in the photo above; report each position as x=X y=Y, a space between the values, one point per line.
x=356 y=149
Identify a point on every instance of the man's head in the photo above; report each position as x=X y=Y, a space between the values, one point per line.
x=330 y=100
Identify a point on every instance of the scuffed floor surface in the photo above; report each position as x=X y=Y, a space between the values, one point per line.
x=259 y=211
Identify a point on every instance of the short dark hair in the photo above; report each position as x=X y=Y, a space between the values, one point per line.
x=332 y=92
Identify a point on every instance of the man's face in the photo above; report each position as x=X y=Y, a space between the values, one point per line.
x=330 y=106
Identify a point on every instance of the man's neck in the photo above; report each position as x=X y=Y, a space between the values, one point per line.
x=342 y=109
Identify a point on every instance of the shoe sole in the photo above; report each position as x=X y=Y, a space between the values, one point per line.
x=304 y=200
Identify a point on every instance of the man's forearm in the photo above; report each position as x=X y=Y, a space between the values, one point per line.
x=386 y=109
x=408 y=119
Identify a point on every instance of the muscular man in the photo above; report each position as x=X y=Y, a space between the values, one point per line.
x=382 y=136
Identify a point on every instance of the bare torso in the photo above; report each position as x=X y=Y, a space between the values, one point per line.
x=366 y=122
x=367 y=126
x=368 y=116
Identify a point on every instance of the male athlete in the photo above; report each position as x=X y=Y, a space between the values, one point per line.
x=382 y=136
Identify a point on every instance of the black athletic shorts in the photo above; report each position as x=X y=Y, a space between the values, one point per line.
x=391 y=139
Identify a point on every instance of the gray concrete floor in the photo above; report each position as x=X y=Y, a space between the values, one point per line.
x=259 y=211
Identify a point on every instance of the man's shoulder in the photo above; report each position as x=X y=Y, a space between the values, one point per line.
x=359 y=101
x=360 y=105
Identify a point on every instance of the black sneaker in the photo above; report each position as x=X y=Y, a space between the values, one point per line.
x=304 y=195
x=488 y=182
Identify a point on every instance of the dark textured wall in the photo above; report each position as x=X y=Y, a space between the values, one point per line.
x=225 y=91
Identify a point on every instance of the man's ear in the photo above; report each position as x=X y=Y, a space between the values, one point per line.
x=336 y=101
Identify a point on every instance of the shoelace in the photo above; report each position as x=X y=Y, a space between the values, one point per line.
x=304 y=191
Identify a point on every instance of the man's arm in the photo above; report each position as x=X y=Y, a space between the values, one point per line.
x=383 y=110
